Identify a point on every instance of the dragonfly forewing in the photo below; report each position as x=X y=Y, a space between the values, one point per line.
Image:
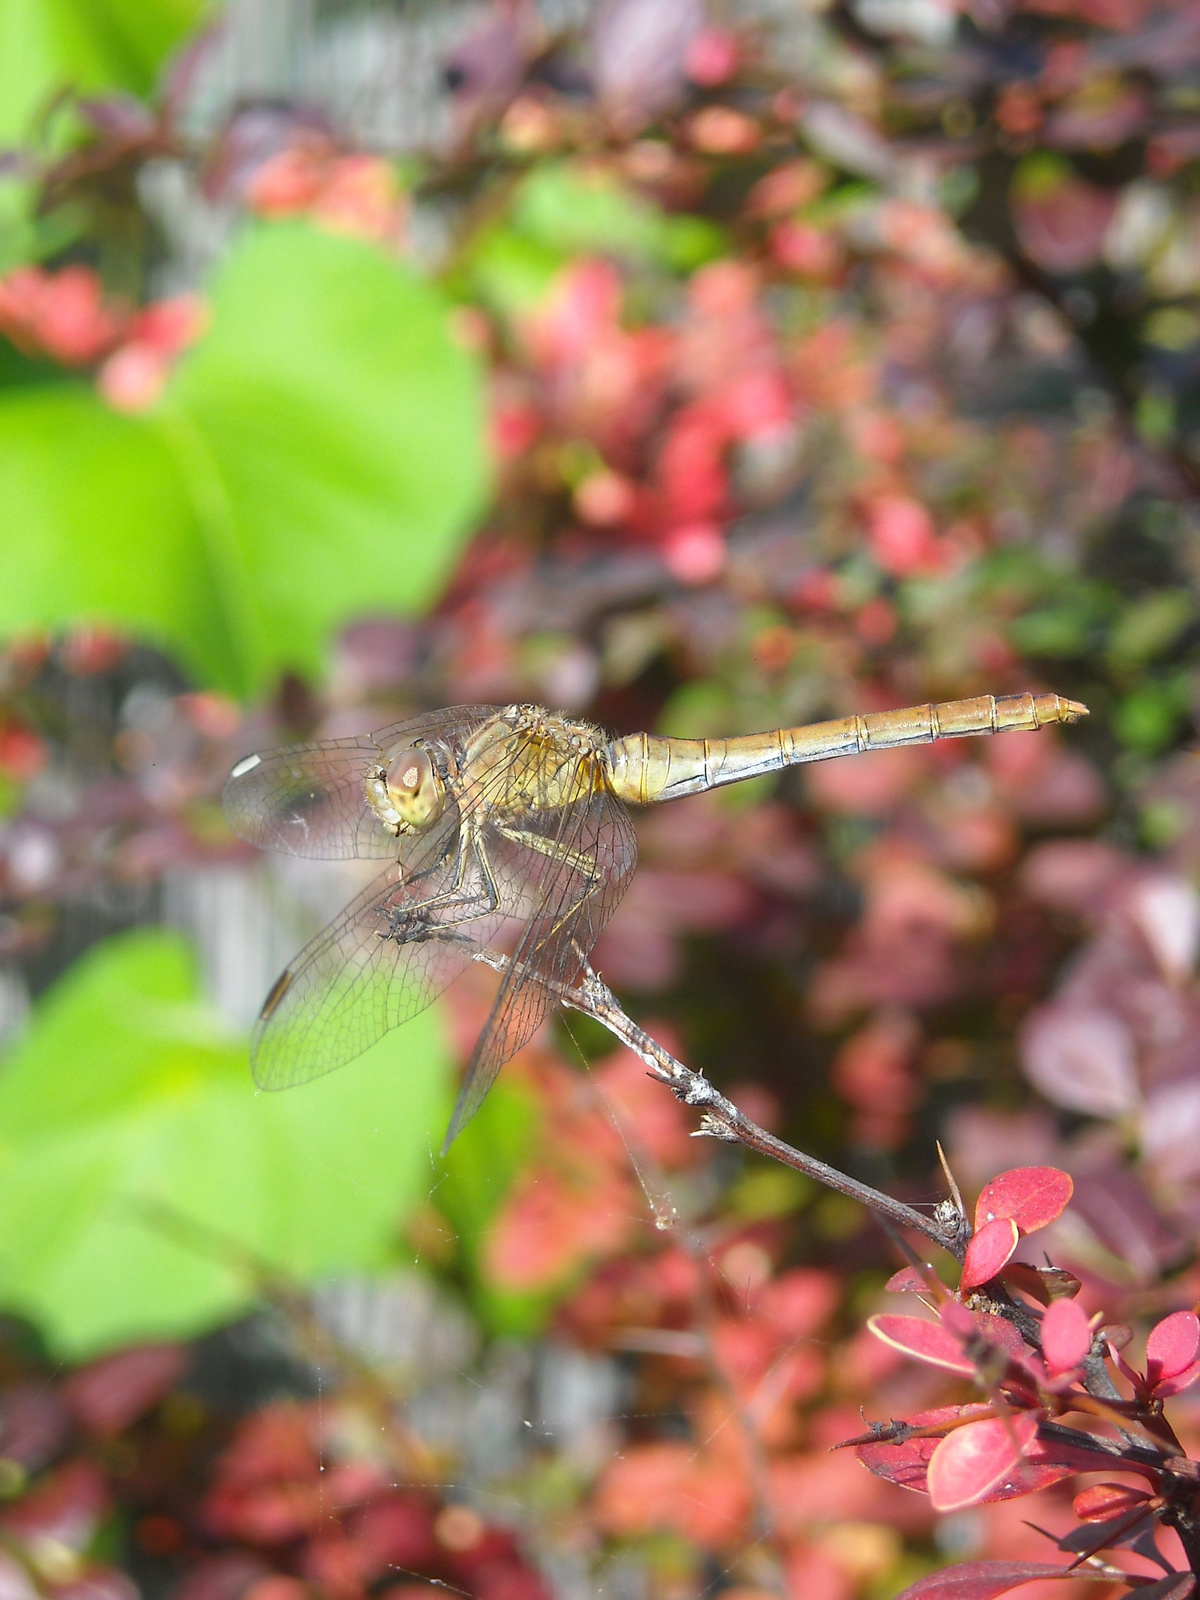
x=387 y=956
x=310 y=799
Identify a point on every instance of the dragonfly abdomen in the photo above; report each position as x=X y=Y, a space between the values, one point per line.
x=645 y=767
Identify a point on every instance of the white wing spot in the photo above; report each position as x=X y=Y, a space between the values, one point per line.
x=247 y=764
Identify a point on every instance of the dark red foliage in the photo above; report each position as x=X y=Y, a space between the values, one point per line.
x=107 y=1395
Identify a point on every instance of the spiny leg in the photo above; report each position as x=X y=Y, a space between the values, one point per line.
x=585 y=864
x=420 y=916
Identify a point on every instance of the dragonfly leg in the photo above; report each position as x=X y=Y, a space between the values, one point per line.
x=409 y=923
x=582 y=862
x=586 y=865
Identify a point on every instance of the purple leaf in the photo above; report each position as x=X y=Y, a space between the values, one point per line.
x=33 y=1424
x=109 y=1394
x=1172 y=1345
x=1175 y=1586
x=981 y=1580
x=639 y=54
x=1081 y=1058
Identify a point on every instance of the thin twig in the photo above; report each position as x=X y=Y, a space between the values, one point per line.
x=721 y=1119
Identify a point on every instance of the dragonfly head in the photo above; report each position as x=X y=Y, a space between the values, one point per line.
x=415 y=787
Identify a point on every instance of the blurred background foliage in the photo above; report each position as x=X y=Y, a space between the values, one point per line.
x=705 y=370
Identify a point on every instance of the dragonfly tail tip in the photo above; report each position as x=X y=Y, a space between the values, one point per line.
x=1072 y=710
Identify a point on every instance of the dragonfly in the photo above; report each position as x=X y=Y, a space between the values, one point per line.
x=508 y=838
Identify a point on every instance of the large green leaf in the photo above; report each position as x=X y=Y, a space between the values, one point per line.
x=96 y=523
x=319 y=454
x=86 y=45
x=136 y=1160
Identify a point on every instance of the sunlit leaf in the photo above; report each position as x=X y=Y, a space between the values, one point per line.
x=1066 y=1335
x=1031 y=1196
x=924 y=1341
x=1171 y=1347
x=144 y=1184
x=988 y=1251
x=85 y=45
x=318 y=454
x=977 y=1458
x=905 y=1462
x=1104 y=1500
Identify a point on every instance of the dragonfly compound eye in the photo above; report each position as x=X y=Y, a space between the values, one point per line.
x=414 y=787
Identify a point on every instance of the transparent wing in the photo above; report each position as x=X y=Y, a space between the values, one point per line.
x=390 y=953
x=574 y=864
x=309 y=799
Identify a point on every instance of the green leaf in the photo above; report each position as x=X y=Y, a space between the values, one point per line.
x=98 y=526
x=320 y=453
x=139 y=1171
x=573 y=207
x=481 y=1167
x=85 y=45
x=1147 y=627
x=1150 y=716
x=564 y=209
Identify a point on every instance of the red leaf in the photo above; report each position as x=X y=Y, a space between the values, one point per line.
x=981 y=1580
x=1031 y=1196
x=925 y=1341
x=973 y=1460
x=906 y=1462
x=988 y=1251
x=1104 y=1500
x=1043 y=1284
x=1066 y=1335
x=907 y=1281
x=1176 y=1385
x=903 y=1461
x=1175 y=1586
x=109 y=1394
x=985 y=1325
x=1172 y=1345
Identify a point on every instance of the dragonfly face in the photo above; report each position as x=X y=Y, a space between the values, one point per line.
x=409 y=794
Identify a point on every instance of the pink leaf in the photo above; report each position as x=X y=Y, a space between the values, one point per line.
x=988 y=1250
x=907 y=1281
x=905 y=1462
x=981 y=1580
x=975 y=1459
x=1031 y=1196
x=109 y=1394
x=1105 y=1500
x=1066 y=1335
x=1082 y=1058
x=1060 y=218
x=925 y=1341
x=1172 y=1345
x=985 y=1325
x=1167 y=910
x=1176 y=1385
